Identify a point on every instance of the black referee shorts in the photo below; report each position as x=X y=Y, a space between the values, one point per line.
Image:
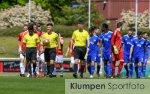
x=31 y=54
x=50 y=54
x=79 y=52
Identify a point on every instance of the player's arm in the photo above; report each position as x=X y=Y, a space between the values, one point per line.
x=131 y=51
x=68 y=49
x=58 y=42
x=113 y=42
x=87 y=49
x=19 y=44
x=100 y=48
x=72 y=41
x=24 y=43
x=145 y=46
x=123 y=41
x=41 y=45
x=113 y=39
x=148 y=49
x=38 y=44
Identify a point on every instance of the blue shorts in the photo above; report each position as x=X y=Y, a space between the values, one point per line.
x=127 y=59
x=145 y=59
x=98 y=59
x=138 y=59
x=106 y=56
x=91 y=58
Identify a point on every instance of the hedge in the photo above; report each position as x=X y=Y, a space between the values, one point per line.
x=65 y=31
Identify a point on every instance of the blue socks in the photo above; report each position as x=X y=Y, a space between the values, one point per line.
x=130 y=70
x=139 y=71
x=106 y=69
x=89 y=68
x=92 y=69
x=143 y=71
x=110 y=67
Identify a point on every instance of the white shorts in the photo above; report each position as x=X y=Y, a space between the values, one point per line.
x=59 y=59
x=72 y=60
x=41 y=57
x=22 y=56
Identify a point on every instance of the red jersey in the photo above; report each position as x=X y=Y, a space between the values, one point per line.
x=20 y=39
x=60 y=51
x=39 y=33
x=117 y=39
x=71 y=45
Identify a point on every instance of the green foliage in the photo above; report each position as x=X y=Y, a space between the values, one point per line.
x=65 y=31
x=11 y=31
x=53 y=5
x=22 y=2
x=4 y=4
x=61 y=10
x=123 y=32
x=73 y=15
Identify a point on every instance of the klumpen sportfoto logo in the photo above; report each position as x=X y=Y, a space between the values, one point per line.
x=95 y=86
x=110 y=86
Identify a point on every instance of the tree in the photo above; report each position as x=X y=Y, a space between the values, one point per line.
x=71 y=15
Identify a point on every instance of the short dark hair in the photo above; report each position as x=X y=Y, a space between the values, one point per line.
x=92 y=28
x=132 y=29
x=105 y=25
x=145 y=33
x=80 y=21
x=139 y=33
x=119 y=24
x=50 y=24
x=30 y=26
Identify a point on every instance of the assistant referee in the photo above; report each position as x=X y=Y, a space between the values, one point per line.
x=50 y=48
x=79 y=37
x=31 y=42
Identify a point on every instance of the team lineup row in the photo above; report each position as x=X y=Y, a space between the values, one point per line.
x=47 y=48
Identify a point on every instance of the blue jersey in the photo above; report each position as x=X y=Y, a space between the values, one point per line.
x=106 y=42
x=146 y=48
x=127 y=42
x=139 y=46
x=93 y=47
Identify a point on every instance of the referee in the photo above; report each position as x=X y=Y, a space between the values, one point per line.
x=79 y=37
x=50 y=48
x=31 y=42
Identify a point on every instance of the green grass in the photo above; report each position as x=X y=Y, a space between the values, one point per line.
x=9 y=46
x=13 y=84
x=17 y=85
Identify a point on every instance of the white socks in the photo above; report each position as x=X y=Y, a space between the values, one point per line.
x=61 y=70
x=22 y=68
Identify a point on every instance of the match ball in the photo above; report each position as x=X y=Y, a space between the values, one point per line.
x=45 y=42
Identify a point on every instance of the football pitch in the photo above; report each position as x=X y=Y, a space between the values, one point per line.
x=12 y=83
x=18 y=85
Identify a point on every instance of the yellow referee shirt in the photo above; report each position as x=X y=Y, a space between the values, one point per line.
x=80 y=37
x=53 y=40
x=31 y=41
